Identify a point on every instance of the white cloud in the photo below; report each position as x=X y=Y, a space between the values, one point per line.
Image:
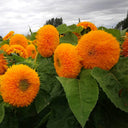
x=19 y=15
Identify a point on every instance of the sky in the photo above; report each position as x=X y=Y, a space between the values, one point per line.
x=19 y=15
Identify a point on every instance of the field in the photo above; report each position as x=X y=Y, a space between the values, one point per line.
x=64 y=77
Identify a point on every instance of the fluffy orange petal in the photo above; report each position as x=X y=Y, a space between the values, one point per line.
x=125 y=48
x=86 y=25
x=19 y=39
x=47 y=40
x=3 y=64
x=19 y=85
x=18 y=49
x=31 y=50
x=8 y=36
x=67 y=61
x=98 y=49
x=4 y=47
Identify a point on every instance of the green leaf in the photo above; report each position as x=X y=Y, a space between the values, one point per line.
x=14 y=59
x=106 y=115
x=10 y=119
x=120 y=71
x=123 y=32
x=4 y=42
x=116 y=33
x=82 y=95
x=41 y=101
x=1 y=51
x=74 y=28
x=69 y=38
x=33 y=36
x=2 y=112
x=47 y=75
x=61 y=115
x=112 y=87
x=62 y=29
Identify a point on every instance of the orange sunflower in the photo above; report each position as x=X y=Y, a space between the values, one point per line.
x=125 y=48
x=126 y=34
x=34 y=42
x=9 y=35
x=1 y=76
x=67 y=61
x=19 y=39
x=18 y=49
x=19 y=85
x=3 y=64
x=31 y=50
x=98 y=49
x=47 y=40
x=87 y=25
x=4 y=47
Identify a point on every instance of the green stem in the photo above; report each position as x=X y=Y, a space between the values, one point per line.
x=36 y=57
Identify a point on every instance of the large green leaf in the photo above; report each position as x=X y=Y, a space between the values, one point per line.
x=10 y=120
x=69 y=38
x=74 y=28
x=106 y=115
x=47 y=74
x=112 y=87
x=63 y=28
x=120 y=70
x=61 y=115
x=2 y=111
x=81 y=94
x=41 y=101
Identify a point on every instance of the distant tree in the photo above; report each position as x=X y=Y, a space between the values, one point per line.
x=56 y=22
x=1 y=38
x=122 y=24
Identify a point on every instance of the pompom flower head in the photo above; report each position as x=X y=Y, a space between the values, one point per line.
x=31 y=50
x=18 y=49
x=87 y=25
x=47 y=40
x=8 y=36
x=19 y=85
x=98 y=49
x=125 y=46
x=19 y=39
x=3 y=64
x=67 y=61
x=4 y=47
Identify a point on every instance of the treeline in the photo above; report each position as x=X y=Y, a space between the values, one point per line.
x=123 y=24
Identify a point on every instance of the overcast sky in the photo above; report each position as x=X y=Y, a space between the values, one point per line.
x=18 y=15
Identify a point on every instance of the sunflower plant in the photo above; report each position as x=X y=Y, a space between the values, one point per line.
x=66 y=77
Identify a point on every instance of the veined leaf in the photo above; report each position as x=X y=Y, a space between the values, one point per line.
x=82 y=95
x=112 y=87
x=120 y=71
x=62 y=29
x=41 y=101
x=69 y=38
x=74 y=28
